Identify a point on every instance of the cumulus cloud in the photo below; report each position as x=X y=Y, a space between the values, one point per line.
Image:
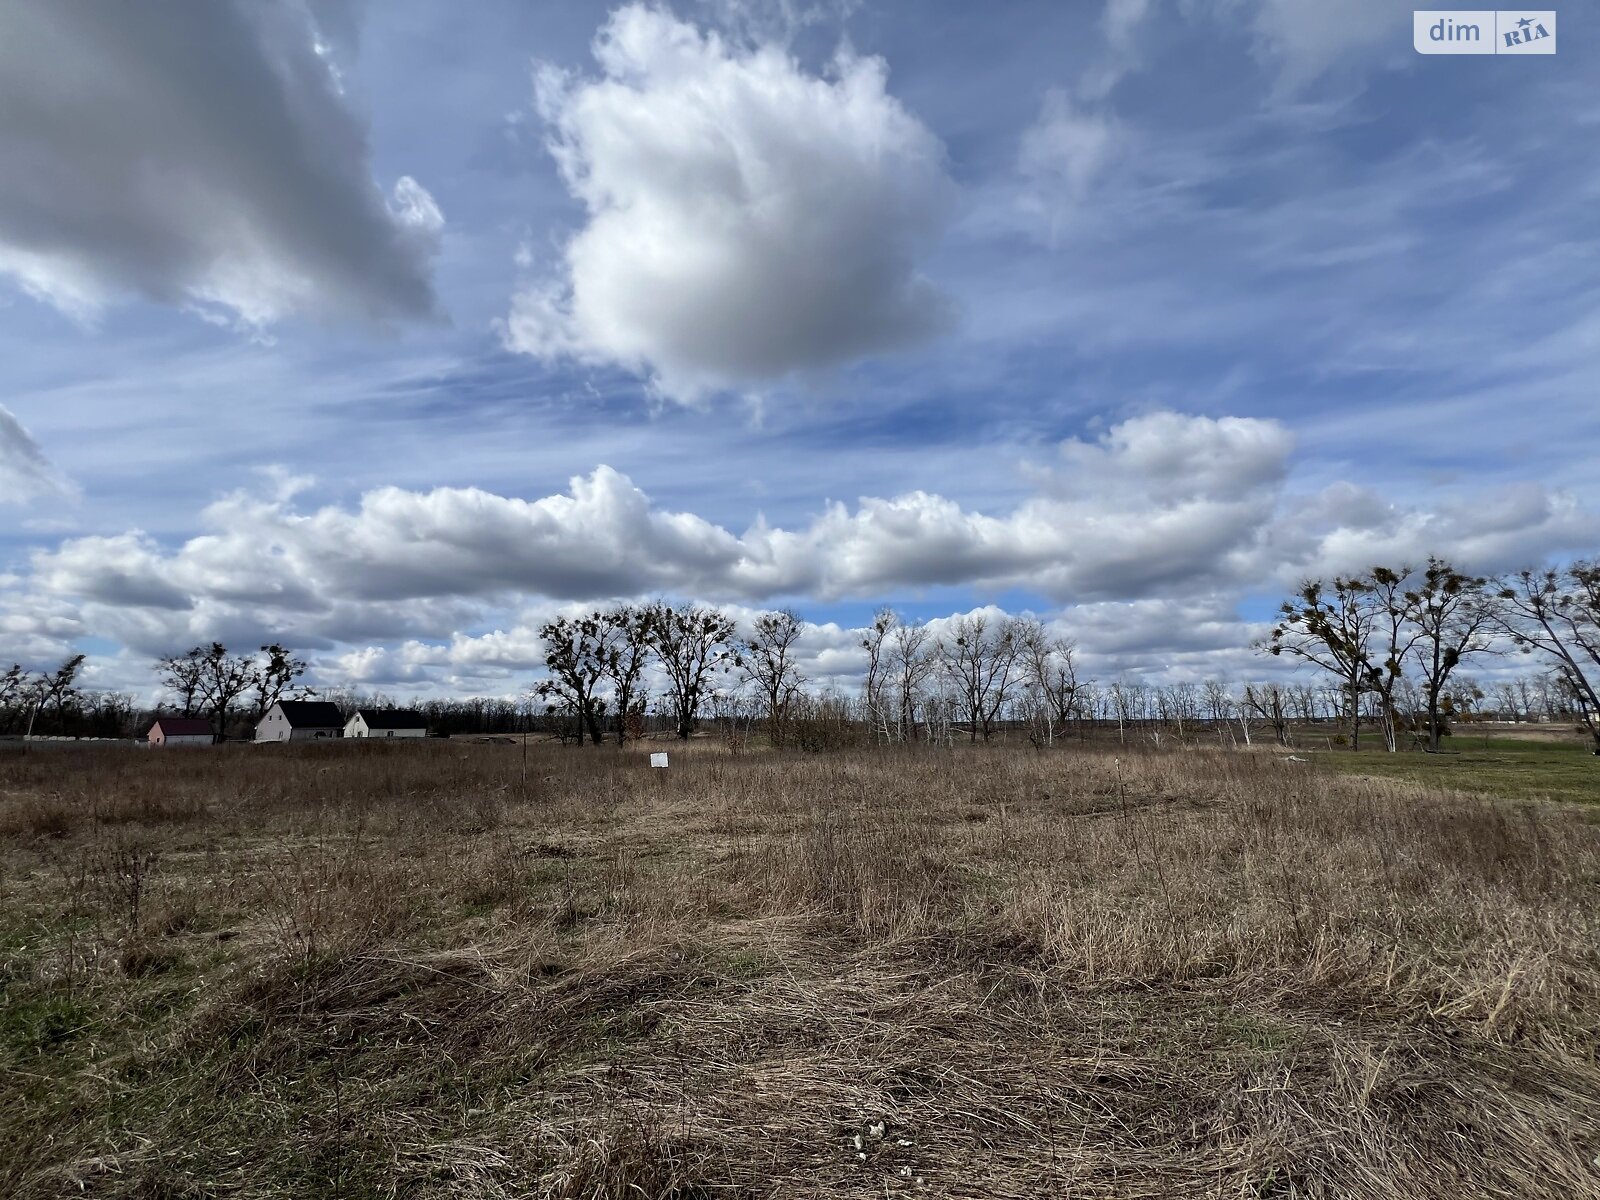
x=1144 y=537
x=199 y=153
x=25 y=473
x=1345 y=528
x=746 y=220
x=1157 y=507
x=1169 y=457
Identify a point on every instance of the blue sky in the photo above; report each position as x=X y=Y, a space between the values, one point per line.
x=1130 y=314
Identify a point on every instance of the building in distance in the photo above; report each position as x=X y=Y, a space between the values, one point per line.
x=386 y=723
x=300 y=721
x=180 y=731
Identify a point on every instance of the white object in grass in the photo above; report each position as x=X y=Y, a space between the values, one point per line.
x=658 y=760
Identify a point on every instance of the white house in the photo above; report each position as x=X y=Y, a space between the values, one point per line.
x=300 y=721
x=180 y=731
x=386 y=723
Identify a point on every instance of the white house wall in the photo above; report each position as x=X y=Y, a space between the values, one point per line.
x=359 y=729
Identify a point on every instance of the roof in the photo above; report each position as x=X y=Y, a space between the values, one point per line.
x=392 y=718
x=311 y=714
x=182 y=726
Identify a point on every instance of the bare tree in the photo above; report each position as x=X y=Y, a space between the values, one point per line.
x=1554 y=699
x=940 y=709
x=16 y=686
x=1394 y=610
x=1556 y=612
x=980 y=659
x=1219 y=705
x=1091 y=702
x=912 y=662
x=1330 y=627
x=1454 y=619
x=1510 y=700
x=766 y=659
x=885 y=624
x=1269 y=702
x=183 y=676
x=276 y=678
x=224 y=678
x=1179 y=707
x=1125 y=699
x=57 y=689
x=734 y=712
x=575 y=655
x=1051 y=672
x=1528 y=696
x=692 y=644
x=627 y=652
x=1305 y=702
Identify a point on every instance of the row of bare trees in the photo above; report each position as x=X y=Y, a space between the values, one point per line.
x=214 y=683
x=964 y=681
x=1387 y=630
x=1391 y=646
x=961 y=683
x=597 y=664
x=53 y=701
x=1392 y=643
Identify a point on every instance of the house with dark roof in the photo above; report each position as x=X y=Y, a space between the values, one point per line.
x=386 y=723
x=180 y=731
x=300 y=721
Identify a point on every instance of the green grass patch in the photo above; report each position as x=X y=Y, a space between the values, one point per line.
x=1515 y=769
x=746 y=964
x=37 y=1025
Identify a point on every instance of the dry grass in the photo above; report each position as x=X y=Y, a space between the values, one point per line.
x=398 y=972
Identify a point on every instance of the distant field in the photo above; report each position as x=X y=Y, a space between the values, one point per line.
x=411 y=971
x=1522 y=767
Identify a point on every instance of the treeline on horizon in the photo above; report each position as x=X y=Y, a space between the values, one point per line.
x=1386 y=650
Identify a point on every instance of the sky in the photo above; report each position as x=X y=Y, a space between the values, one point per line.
x=389 y=331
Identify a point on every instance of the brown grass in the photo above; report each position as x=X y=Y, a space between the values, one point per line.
x=398 y=972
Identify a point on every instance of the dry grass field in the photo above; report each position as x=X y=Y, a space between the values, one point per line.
x=400 y=971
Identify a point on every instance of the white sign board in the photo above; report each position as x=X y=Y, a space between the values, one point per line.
x=658 y=760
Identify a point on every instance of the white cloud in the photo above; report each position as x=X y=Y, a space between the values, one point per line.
x=1149 y=535
x=25 y=474
x=1159 y=507
x=1168 y=457
x=1302 y=41
x=746 y=220
x=1065 y=148
x=1120 y=22
x=1346 y=529
x=199 y=153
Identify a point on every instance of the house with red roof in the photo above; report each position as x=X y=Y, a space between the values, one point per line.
x=180 y=731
